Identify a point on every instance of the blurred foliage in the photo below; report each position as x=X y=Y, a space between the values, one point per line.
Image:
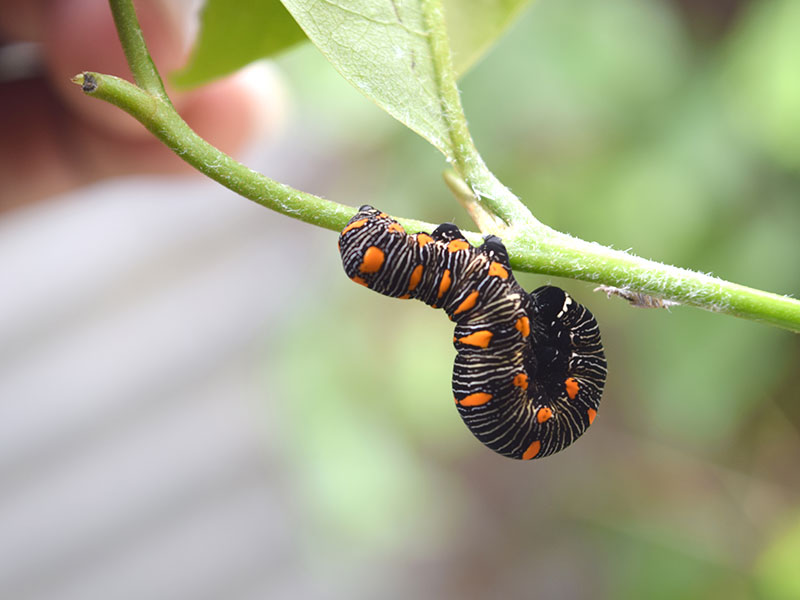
x=234 y=33
x=778 y=569
x=473 y=27
x=615 y=122
x=762 y=76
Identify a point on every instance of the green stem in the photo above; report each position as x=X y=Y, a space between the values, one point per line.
x=562 y=255
x=469 y=164
x=130 y=35
x=555 y=254
x=538 y=248
x=532 y=245
x=149 y=104
x=161 y=119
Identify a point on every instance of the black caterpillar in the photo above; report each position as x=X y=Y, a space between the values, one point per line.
x=530 y=368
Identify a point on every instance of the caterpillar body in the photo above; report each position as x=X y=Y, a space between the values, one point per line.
x=529 y=370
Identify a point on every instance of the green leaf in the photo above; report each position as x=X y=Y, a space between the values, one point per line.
x=234 y=33
x=393 y=52
x=379 y=46
x=473 y=27
x=382 y=47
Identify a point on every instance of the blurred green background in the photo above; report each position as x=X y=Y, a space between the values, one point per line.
x=668 y=127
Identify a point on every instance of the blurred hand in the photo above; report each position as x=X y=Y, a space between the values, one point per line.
x=53 y=138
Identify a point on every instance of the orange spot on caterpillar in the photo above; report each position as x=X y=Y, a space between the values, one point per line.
x=498 y=270
x=467 y=303
x=360 y=281
x=532 y=450
x=416 y=277
x=544 y=414
x=444 y=284
x=456 y=245
x=404 y=297
x=423 y=239
x=477 y=399
x=373 y=260
x=480 y=339
x=592 y=414
x=572 y=387
x=354 y=225
x=397 y=228
x=521 y=380
x=523 y=325
x=382 y=215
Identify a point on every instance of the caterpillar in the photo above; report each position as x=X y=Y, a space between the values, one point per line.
x=529 y=370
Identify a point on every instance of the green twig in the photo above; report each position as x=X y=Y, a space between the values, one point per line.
x=562 y=255
x=160 y=117
x=130 y=35
x=532 y=245
x=469 y=164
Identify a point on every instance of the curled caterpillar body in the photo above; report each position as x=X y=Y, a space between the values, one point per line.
x=529 y=370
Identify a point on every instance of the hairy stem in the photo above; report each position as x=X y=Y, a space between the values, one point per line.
x=532 y=245
x=160 y=118
x=130 y=35
x=497 y=198
x=565 y=256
